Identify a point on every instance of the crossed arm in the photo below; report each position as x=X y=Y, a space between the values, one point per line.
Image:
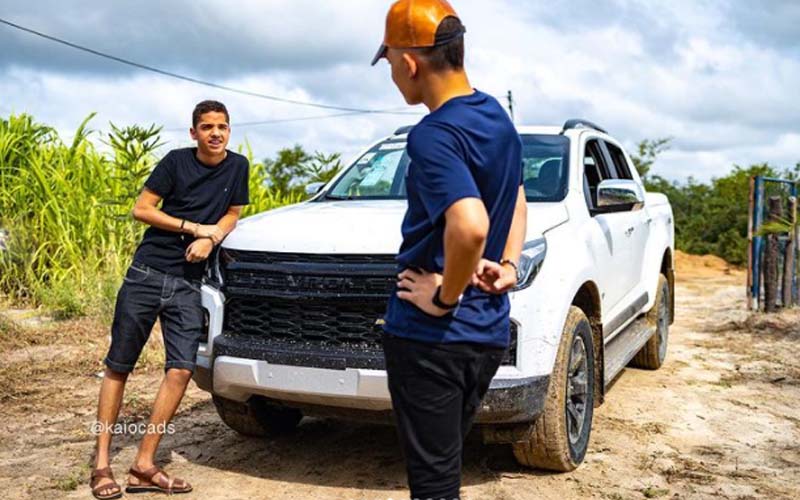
x=207 y=235
x=466 y=230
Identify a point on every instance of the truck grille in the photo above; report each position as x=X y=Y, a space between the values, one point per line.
x=301 y=276
x=305 y=302
x=298 y=320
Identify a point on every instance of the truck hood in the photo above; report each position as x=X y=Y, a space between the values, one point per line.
x=349 y=227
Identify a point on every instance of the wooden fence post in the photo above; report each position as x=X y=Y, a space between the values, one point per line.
x=788 y=258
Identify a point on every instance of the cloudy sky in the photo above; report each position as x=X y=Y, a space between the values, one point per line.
x=720 y=77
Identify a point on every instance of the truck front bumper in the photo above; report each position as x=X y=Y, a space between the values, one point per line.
x=239 y=374
x=510 y=399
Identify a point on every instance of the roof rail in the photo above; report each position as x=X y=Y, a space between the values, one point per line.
x=403 y=130
x=580 y=123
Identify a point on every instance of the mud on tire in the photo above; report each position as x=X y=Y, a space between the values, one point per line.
x=556 y=444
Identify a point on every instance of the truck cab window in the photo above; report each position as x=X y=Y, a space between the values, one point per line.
x=595 y=170
x=620 y=163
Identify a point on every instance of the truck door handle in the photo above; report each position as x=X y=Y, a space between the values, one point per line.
x=648 y=221
x=629 y=231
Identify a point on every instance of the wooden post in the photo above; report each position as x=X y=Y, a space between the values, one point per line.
x=771 y=259
x=795 y=235
x=788 y=258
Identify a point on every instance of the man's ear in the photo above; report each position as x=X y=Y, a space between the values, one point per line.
x=193 y=133
x=411 y=65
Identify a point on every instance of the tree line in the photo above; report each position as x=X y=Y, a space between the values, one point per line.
x=710 y=217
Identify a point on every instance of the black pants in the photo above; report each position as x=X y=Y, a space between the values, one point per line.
x=436 y=390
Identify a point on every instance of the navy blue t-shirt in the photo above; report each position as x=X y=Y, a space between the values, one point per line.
x=467 y=148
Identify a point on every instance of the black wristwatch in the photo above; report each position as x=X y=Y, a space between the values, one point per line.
x=437 y=300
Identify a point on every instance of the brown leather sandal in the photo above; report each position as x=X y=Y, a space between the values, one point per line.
x=159 y=482
x=113 y=487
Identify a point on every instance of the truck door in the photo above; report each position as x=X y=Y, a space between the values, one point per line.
x=638 y=230
x=610 y=243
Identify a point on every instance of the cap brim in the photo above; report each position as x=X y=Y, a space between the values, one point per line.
x=379 y=55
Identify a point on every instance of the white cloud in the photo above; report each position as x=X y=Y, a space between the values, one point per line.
x=697 y=72
x=781 y=152
x=63 y=101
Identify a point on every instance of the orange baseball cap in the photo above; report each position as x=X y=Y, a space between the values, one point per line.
x=413 y=24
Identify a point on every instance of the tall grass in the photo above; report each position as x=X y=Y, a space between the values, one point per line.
x=66 y=208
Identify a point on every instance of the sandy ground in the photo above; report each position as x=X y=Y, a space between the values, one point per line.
x=721 y=419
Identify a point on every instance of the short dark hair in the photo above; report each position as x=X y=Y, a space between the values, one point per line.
x=449 y=55
x=208 y=107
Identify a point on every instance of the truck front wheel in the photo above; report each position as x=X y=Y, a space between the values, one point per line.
x=560 y=436
x=256 y=417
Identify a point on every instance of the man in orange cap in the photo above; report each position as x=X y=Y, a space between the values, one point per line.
x=447 y=327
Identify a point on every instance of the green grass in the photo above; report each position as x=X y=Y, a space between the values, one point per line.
x=652 y=492
x=7 y=328
x=73 y=479
x=66 y=207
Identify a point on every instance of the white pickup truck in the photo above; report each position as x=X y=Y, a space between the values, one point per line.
x=296 y=296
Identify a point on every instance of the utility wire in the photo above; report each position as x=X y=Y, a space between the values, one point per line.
x=198 y=81
x=280 y=120
x=316 y=117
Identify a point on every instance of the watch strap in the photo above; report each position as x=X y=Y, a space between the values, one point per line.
x=437 y=300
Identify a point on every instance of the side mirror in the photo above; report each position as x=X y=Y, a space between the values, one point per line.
x=619 y=195
x=314 y=188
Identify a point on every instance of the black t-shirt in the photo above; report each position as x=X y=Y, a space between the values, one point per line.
x=196 y=192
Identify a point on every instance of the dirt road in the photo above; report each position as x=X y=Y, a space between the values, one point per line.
x=721 y=419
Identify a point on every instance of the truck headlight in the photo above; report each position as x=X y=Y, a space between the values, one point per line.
x=530 y=262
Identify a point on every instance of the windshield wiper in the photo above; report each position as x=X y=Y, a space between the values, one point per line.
x=337 y=197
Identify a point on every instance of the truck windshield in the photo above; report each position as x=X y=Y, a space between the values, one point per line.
x=380 y=172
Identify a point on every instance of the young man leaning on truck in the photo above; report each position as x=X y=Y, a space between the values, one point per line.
x=447 y=327
x=201 y=191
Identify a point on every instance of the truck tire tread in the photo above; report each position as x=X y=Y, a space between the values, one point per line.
x=648 y=357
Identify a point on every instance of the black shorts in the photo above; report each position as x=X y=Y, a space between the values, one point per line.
x=436 y=390
x=147 y=294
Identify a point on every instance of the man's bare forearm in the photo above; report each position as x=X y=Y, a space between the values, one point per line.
x=228 y=221
x=147 y=210
x=519 y=228
x=465 y=234
x=153 y=216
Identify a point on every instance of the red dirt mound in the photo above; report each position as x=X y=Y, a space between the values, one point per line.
x=703 y=265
